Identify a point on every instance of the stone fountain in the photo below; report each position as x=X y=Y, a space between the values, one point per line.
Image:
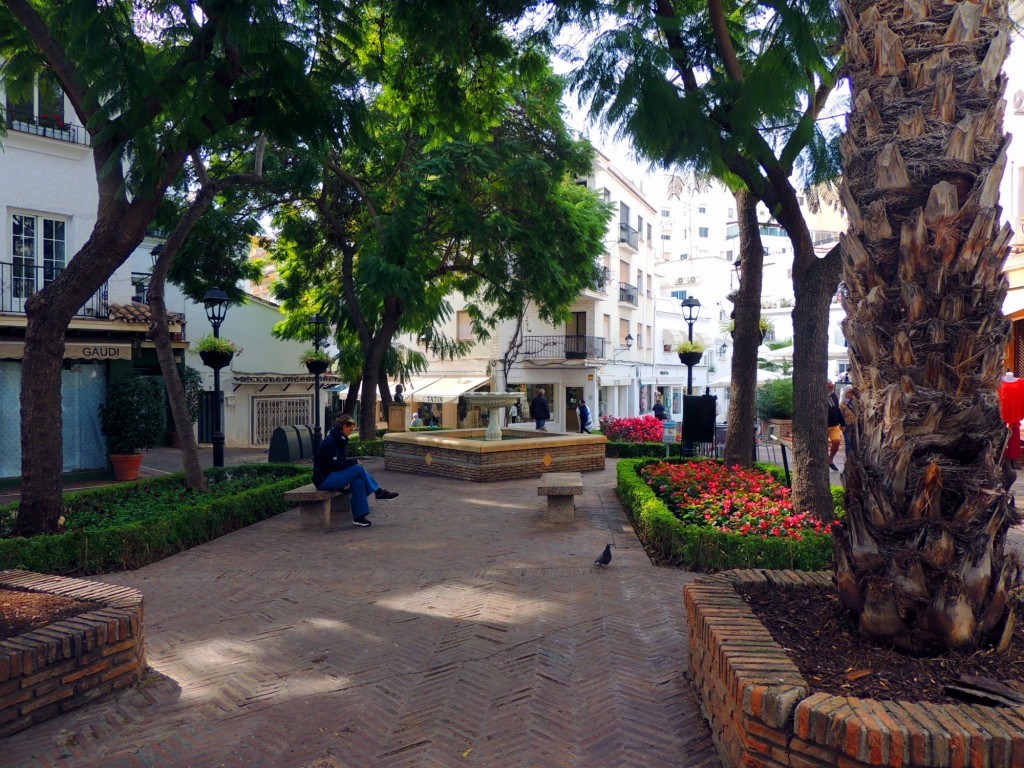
x=490 y=400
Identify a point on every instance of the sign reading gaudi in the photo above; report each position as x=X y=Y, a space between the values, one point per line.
x=94 y=351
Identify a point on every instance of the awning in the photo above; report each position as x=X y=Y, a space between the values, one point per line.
x=448 y=389
x=1013 y=304
x=673 y=338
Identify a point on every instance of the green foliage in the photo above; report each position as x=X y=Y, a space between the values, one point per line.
x=690 y=346
x=315 y=356
x=625 y=450
x=192 y=381
x=210 y=343
x=131 y=525
x=365 y=447
x=700 y=548
x=134 y=414
x=774 y=399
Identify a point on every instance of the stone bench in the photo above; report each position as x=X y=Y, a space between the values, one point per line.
x=560 y=488
x=316 y=507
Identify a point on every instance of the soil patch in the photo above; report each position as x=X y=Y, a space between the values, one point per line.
x=821 y=640
x=22 y=611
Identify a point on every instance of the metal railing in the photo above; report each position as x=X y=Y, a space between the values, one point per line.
x=629 y=236
x=629 y=294
x=20 y=282
x=52 y=127
x=563 y=347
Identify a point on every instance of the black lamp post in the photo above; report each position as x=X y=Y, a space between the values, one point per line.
x=216 y=303
x=691 y=311
x=319 y=327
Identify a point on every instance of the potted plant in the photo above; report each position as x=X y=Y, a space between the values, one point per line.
x=774 y=405
x=690 y=352
x=316 y=360
x=765 y=325
x=216 y=352
x=133 y=417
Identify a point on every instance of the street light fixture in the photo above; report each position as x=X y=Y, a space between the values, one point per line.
x=216 y=303
x=691 y=312
x=319 y=325
x=722 y=350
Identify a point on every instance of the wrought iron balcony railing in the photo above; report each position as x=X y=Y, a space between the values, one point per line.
x=629 y=294
x=50 y=126
x=20 y=282
x=629 y=236
x=563 y=347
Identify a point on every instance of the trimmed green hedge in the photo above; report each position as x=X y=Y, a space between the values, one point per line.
x=624 y=450
x=365 y=448
x=705 y=549
x=133 y=545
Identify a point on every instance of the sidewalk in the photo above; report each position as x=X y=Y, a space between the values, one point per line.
x=460 y=629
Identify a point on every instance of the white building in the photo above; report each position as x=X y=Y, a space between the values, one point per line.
x=48 y=204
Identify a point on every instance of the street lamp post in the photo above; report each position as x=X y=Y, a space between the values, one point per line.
x=319 y=327
x=691 y=311
x=216 y=303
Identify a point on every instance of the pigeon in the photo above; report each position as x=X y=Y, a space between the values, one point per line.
x=605 y=557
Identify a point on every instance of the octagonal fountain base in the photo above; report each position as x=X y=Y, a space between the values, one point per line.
x=464 y=454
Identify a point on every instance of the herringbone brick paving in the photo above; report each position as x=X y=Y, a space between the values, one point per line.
x=461 y=629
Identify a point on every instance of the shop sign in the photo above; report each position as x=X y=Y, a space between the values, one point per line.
x=101 y=351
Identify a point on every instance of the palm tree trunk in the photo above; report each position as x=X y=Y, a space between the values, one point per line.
x=921 y=559
x=739 y=440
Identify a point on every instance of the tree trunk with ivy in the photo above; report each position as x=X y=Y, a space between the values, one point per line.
x=921 y=559
x=739 y=439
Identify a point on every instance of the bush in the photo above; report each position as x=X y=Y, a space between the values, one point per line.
x=365 y=448
x=134 y=414
x=701 y=548
x=645 y=429
x=619 y=450
x=128 y=526
x=774 y=399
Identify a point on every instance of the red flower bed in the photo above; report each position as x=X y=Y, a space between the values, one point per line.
x=646 y=429
x=731 y=499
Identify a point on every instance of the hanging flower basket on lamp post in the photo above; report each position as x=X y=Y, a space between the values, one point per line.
x=215 y=352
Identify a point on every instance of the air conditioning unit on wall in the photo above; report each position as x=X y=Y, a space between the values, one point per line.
x=693 y=278
x=680 y=280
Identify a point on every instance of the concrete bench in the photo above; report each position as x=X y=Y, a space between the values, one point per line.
x=316 y=507
x=560 y=488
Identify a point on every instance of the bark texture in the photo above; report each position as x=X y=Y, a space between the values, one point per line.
x=739 y=439
x=921 y=559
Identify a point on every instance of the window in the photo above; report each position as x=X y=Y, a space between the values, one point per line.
x=623 y=332
x=639 y=336
x=465 y=326
x=702 y=209
x=666 y=237
x=703 y=232
x=650 y=233
x=38 y=252
x=45 y=101
x=678 y=295
x=666 y=213
x=623 y=213
x=640 y=225
x=731 y=214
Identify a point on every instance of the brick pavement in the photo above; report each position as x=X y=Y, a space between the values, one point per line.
x=459 y=630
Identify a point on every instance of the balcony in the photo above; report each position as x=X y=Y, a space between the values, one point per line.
x=562 y=347
x=629 y=294
x=19 y=282
x=629 y=236
x=51 y=127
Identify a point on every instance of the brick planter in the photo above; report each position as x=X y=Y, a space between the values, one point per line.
x=762 y=713
x=71 y=662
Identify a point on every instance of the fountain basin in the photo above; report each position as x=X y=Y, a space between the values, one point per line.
x=455 y=453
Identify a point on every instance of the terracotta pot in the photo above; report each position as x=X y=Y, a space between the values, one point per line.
x=317 y=366
x=690 y=358
x=126 y=465
x=216 y=360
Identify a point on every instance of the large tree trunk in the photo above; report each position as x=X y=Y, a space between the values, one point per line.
x=739 y=439
x=921 y=559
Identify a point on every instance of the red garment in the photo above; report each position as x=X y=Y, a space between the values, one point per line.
x=1011 y=401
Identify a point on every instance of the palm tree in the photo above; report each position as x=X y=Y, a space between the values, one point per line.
x=921 y=559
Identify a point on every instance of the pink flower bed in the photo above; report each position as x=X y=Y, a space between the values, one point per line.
x=730 y=499
x=646 y=429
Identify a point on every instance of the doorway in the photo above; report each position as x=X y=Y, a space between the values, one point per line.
x=573 y=395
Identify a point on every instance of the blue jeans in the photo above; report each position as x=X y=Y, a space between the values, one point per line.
x=362 y=483
x=540 y=423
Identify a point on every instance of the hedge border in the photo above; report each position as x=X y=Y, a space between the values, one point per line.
x=672 y=542
x=137 y=544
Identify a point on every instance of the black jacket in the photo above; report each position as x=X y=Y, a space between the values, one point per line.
x=835 y=415
x=330 y=456
x=539 y=408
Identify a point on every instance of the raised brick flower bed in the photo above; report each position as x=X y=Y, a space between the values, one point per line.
x=762 y=713
x=71 y=662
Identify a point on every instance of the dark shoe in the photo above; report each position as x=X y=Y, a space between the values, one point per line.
x=362 y=522
x=833 y=467
x=380 y=493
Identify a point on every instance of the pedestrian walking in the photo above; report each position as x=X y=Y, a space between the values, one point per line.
x=540 y=412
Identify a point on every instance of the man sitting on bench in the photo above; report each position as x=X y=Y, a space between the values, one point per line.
x=333 y=471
